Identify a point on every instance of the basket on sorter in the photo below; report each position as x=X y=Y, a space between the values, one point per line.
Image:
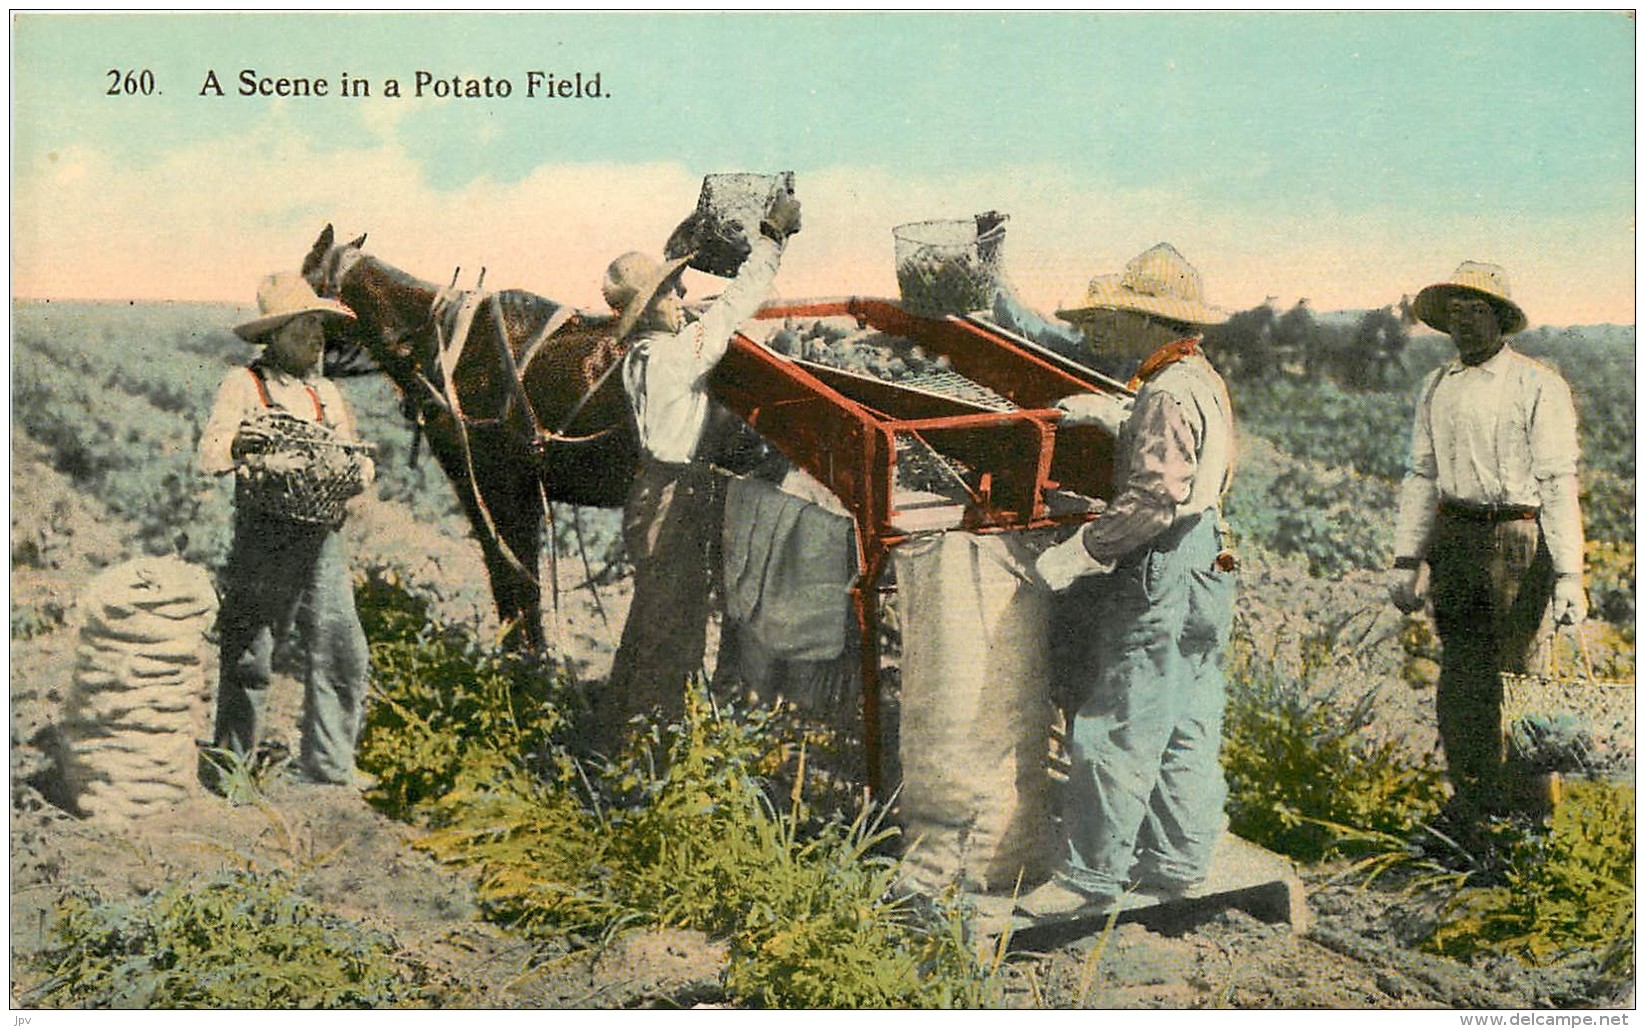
x=948 y=266
x=728 y=215
x=1568 y=724
x=328 y=471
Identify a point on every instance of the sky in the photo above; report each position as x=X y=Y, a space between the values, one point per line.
x=1346 y=158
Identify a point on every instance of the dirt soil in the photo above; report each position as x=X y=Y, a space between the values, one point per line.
x=360 y=863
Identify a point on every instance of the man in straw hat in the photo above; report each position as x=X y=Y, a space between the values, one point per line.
x=284 y=576
x=1489 y=511
x=1147 y=592
x=669 y=521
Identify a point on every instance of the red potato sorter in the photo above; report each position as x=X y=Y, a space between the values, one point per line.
x=974 y=445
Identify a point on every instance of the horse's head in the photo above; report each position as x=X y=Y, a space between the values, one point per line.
x=326 y=266
x=328 y=263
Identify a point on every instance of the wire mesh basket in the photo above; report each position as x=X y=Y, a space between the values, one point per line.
x=1569 y=724
x=728 y=215
x=324 y=470
x=948 y=266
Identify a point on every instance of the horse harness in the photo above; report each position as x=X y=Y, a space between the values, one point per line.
x=452 y=316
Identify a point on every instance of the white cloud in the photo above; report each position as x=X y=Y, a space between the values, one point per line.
x=209 y=221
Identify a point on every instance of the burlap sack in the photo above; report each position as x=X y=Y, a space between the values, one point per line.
x=139 y=693
x=975 y=803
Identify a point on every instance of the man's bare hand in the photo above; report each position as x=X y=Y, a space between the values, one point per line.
x=279 y=463
x=1408 y=589
x=1570 y=600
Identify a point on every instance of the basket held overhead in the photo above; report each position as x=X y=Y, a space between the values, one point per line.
x=719 y=233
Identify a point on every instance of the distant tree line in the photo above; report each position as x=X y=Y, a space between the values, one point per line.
x=1263 y=343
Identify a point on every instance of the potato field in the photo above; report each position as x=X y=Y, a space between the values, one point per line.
x=486 y=867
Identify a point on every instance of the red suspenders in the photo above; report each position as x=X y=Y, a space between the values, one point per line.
x=262 y=393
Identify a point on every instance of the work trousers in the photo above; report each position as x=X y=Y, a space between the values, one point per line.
x=1492 y=585
x=288 y=583
x=1140 y=651
x=671 y=528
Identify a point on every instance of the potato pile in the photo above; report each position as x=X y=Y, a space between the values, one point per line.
x=139 y=692
x=882 y=356
x=922 y=469
x=933 y=283
x=863 y=351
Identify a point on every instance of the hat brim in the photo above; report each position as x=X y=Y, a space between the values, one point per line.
x=1432 y=306
x=647 y=293
x=258 y=330
x=1172 y=308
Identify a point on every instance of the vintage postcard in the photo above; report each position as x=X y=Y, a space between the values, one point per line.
x=873 y=510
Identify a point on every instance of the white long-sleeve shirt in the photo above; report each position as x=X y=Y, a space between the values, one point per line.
x=1502 y=432
x=315 y=399
x=666 y=376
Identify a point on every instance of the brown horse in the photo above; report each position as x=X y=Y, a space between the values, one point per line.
x=518 y=396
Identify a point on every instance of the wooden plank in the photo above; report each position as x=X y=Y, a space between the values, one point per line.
x=1243 y=875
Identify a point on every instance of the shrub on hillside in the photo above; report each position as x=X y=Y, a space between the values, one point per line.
x=1336 y=520
x=441 y=697
x=681 y=830
x=237 y=940
x=1319 y=422
x=1565 y=891
x=1307 y=777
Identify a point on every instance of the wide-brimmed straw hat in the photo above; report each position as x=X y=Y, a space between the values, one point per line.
x=282 y=297
x=1158 y=281
x=1471 y=279
x=633 y=281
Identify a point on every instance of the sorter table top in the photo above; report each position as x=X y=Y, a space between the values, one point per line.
x=916 y=423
